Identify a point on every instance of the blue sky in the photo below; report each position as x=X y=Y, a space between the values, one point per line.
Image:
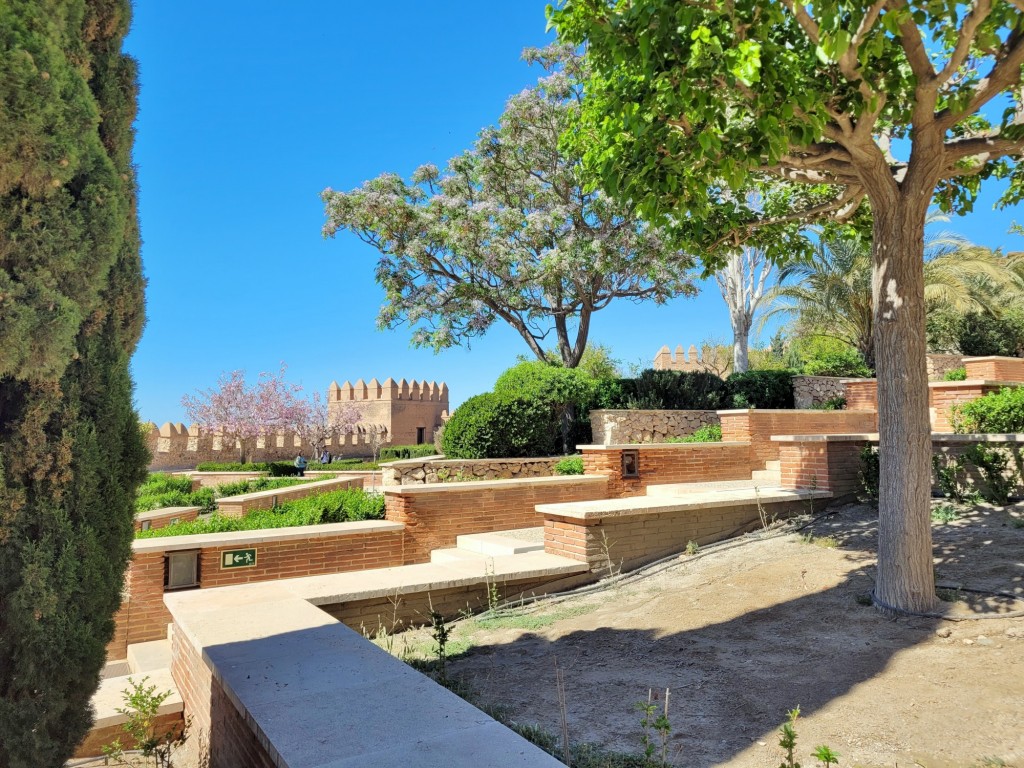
x=248 y=110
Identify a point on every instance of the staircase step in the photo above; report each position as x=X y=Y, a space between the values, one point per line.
x=503 y=542
x=145 y=657
x=454 y=555
x=684 y=489
x=775 y=465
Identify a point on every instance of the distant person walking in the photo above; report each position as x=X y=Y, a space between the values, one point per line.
x=300 y=464
x=326 y=457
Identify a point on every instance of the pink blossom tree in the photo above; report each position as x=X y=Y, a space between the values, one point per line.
x=242 y=413
x=316 y=424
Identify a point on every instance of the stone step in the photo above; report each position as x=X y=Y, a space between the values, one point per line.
x=145 y=657
x=499 y=543
x=766 y=476
x=774 y=465
x=454 y=555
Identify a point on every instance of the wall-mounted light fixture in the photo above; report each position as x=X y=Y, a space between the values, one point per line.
x=631 y=463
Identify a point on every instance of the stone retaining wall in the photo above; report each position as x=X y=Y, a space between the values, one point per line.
x=244 y=503
x=809 y=391
x=431 y=470
x=635 y=426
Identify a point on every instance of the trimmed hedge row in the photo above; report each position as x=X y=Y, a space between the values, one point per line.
x=998 y=412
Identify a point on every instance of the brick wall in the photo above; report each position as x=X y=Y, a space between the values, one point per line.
x=434 y=515
x=231 y=741
x=241 y=505
x=832 y=466
x=944 y=395
x=96 y=739
x=1004 y=369
x=970 y=475
x=143 y=615
x=757 y=426
x=662 y=463
x=861 y=394
x=632 y=540
x=161 y=518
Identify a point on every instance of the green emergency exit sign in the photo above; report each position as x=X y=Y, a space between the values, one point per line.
x=238 y=558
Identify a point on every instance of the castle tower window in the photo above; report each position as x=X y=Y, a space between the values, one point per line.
x=420 y=435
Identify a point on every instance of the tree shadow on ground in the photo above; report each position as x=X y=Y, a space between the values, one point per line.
x=806 y=640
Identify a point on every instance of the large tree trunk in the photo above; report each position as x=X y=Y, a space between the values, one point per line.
x=905 y=578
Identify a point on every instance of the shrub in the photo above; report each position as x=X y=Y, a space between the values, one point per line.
x=836 y=403
x=284 y=469
x=334 y=507
x=491 y=426
x=761 y=389
x=673 y=390
x=956 y=374
x=997 y=412
x=260 y=484
x=980 y=334
x=869 y=471
x=993 y=464
x=163 y=490
x=846 y=362
x=342 y=465
x=233 y=466
x=399 y=452
x=572 y=465
x=569 y=393
x=709 y=433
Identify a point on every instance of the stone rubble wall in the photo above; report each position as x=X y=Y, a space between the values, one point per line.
x=429 y=470
x=811 y=391
x=614 y=427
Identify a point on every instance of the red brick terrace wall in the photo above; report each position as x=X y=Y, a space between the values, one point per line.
x=824 y=466
x=943 y=398
x=757 y=427
x=861 y=395
x=143 y=616
x=434 y=515
x=661 y=464
x=1006 y=369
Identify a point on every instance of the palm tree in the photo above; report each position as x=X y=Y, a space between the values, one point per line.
x=830 y=295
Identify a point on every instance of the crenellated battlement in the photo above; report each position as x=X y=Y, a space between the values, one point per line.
x=690 y=360
x=390 y=389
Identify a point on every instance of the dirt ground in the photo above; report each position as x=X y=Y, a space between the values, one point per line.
x=744 y=632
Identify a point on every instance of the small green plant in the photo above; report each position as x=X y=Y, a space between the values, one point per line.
x=493 y=597
x=947 y=475
x=787 y=739
x=655 y=730
x=573 y=465
x=1017 y=522
x=956 y=374
x=949 y=594
x=1001 y=411
x=692 y=547
x=825 y=756
x=709 y=433
x=865 y=600
x=994 y=466
x=606 y=550
x=869 y=471
x=836 y=403
x=441 y=633
x=141 y=707
x=945 y=513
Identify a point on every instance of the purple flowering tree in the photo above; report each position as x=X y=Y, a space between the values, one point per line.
x=242 y=413
x=316 y=424
x=509 y=232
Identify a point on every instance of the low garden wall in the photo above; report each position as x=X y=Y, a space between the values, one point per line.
x=434 y=515
x=1005 y=369
x=757 y=426
x=832 y=462
x=280 y=553
x=244 y=503
x=942 y=396
x=809 y=391
x=663 y=463
x=161 y=518
x=635 y=426
x=440 y=470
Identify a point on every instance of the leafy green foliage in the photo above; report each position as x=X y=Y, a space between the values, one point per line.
x=847 y=363
x=948 y=473
x=761 y=389
x=709 y=433
x=567 y=392
x=677 y=390
x=71 y=299
x=509 y=232
x=142 y=708
x=997 y=412
x=490 y=426
x=284 y=467
x=945 y=513
x=333 y=507
x=870 y=471
x=836 y=403
x=956 y=374
x=994 y=466
x=979 y=334
x=162 y=490
x=573 y=465
x=399 y=452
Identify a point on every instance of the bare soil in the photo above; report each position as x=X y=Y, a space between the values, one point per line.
x=746 y=631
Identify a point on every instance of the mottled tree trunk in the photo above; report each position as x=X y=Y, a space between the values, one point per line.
x=905 y=577
x=740 y=346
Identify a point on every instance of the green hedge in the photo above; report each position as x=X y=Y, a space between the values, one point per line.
x=163 y=490
x=846 y=362
x=573 y=465
x=399 y=452
x=334 y=507
x=491 y=426
x=956 y=374
x=761 y=389
x=233 y=466
x=998 y=412
x=668 y=390
x=709 y=433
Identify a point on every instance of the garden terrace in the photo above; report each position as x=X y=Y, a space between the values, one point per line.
x=159 y=518
x=437 y=469
x=242 y=504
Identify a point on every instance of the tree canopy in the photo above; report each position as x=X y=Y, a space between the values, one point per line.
x=885 y=102
x=509 y=232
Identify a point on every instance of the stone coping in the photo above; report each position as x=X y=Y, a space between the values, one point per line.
x=948 y=384
x=815 y=411
x=155 y=514
x=281 y=656
x=255 y=495
x=674 y=446
x=232 y=538
x=476 y=485
x=872 y=437
x=653 y=410
x=986 y=358
x=691 y=502
x=233 y=473
x=423 y=459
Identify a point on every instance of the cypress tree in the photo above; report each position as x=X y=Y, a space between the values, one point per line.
x=71 y=313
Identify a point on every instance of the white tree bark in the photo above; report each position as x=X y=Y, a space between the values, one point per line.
x=742 y=282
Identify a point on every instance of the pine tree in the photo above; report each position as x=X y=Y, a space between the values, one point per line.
x=71 y=313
